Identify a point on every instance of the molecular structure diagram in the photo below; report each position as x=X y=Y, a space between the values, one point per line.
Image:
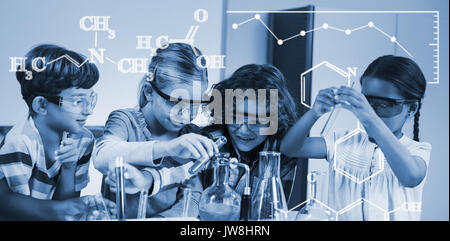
x=376 y=165
x=98 y=24
x=382 y=214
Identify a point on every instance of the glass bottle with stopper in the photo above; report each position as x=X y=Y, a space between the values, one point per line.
x=314 y=210
x=219 y=202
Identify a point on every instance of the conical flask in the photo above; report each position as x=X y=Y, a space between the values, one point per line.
x=219 y=202
x=314 y=210
x=268 y=200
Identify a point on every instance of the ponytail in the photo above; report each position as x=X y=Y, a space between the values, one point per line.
x=416 y=122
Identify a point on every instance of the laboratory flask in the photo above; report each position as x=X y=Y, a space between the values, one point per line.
x=268 y=200
x=219 y=202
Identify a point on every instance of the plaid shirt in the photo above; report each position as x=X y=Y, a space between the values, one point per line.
x=28 y=172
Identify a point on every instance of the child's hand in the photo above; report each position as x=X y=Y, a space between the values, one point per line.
x=135 y=180
x=67 y=153
x=325 y=101
x=190 y=146
x=355 y=102
x=99 y=203
x=70 y=210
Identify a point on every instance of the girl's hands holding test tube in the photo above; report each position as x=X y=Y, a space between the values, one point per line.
x=357 y=103
x=135 y=179
x=325 y=101
x=188 y=146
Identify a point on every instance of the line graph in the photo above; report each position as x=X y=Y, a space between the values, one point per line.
x=324 y=26
x=432 y=43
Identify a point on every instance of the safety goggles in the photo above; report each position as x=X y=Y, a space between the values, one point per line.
x=187 y=108
x=387 y=107
x=75 y=104
x=172 y=100
x=251 y=121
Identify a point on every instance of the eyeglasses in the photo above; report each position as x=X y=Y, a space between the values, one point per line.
x=252 y=127
x=387 y=107
x=76 y=104
x=190 y=106
x=171 y=100
x=168 y=97
x=245 y=120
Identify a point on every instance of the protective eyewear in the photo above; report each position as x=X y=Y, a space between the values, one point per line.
x=75 y=104
x=387 y=107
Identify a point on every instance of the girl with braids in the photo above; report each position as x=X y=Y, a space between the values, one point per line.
x=381 y=165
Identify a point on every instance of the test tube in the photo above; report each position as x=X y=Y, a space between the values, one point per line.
x=142 y=208
x=199 y=163
x=332 y=117
x=120 y=188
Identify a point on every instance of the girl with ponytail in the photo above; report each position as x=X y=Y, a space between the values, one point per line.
x=380 y=165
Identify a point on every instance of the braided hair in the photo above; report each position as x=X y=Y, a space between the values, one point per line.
x=406 y=75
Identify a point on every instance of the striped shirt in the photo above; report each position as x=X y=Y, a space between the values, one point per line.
x=28 y=172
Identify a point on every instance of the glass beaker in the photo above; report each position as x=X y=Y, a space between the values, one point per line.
x=313 y=209
x=268 y=200
x=219 y=202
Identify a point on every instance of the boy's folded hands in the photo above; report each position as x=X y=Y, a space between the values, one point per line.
x=67 y=153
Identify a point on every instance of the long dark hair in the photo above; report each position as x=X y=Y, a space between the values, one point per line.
x=406 y=75
x=254 y=76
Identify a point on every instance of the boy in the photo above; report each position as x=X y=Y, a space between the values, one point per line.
x=45 y=158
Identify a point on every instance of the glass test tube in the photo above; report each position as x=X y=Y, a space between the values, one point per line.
x=222 y=140
x=120 y=189
x=332 y=117
x=142 y=208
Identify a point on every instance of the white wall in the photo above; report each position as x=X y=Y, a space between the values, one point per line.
x=413 y=31
x=26 y=23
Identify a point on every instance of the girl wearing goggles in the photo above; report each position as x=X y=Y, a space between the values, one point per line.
x=381 y=164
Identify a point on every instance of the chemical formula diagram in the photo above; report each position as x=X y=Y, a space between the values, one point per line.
x=101 y=24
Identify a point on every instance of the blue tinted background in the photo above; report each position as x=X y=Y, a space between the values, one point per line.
x=25 y=23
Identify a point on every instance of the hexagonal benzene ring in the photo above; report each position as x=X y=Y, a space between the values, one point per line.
x=337 y=169
x=364 y=201
x=335 y=213
x=303 y=79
